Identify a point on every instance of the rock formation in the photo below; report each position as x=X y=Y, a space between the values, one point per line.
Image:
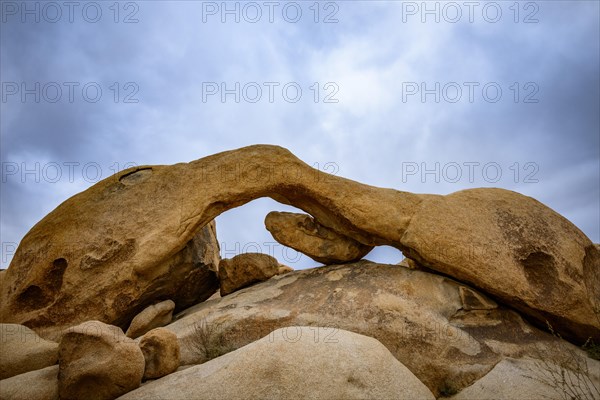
x=154 y=316
x=284 y=269
x=446 y=333
x=161 y=352
x=41 y=384
x=22 y=350
x=455 y=315
x=293 y=363
x=302 y=233
x=531 y=379
x=244 y=270
x=132 y=233
x=98 y=362
x=66 y=278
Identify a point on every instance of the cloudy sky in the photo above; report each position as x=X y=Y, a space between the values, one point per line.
x=426 y=97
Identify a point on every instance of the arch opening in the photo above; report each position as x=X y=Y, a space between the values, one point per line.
x=242 y=230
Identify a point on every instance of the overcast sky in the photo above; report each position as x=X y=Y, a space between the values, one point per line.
x=430 y=99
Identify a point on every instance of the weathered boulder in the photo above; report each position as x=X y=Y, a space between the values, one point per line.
x=41 y=384
x=244 y=270
x=411 y=264
x=154 y=316
x=535 y=379
x=515 y=249
x=98 y=362
x=69 y=277
x=295 y=363
x=284 y=269
x=22 y=350
x=126 y=230
x=302 y=233
x=424 y=319
x=161 y=352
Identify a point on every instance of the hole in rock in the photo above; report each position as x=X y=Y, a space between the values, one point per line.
x=385 y=255
x=54 y=276
x=242 y=230
x=33 y=298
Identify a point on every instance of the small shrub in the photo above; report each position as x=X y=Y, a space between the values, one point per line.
x=592 y=349
x=566 y=371
x=210 y=340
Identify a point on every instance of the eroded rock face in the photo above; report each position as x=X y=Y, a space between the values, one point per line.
x=244 y=270
x=302 y=233
x=22 y=350
x=95 y=280
x=98 y=362
x=154 y=316
x=294 y=363
x=515 y=249
x=133 y=226
x=422 y=318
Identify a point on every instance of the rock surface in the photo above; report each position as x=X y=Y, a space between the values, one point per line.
x=424 y=319
x=161 y=352
x=515 y=249
x=284 y=269
x=295 y=363
x=154 y=316
x=411 y=264
x=41 y=384
x=531 y=379
x=506 y=244
x=244 y=270
x=22 y=350
x=72 y=276
x=302 y=233
x=98 y=362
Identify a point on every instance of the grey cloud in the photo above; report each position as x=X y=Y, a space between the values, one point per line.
x=170 y=52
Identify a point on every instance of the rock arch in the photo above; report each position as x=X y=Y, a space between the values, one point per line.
x=149 y=214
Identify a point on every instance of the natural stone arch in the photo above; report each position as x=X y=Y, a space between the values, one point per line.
x=484 y=237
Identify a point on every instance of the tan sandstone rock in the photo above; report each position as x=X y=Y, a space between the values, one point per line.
x=295 y=363
x=22 y=350
x=302 y=233
x=284 y=269
x=445 y=332
x=154 y=316
x=98 y=362
x=161 y=352
x=549 y=269
x=41 y=384
x=127 y=228
x=244 y=270
x=411 y=264
x=82 y=279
